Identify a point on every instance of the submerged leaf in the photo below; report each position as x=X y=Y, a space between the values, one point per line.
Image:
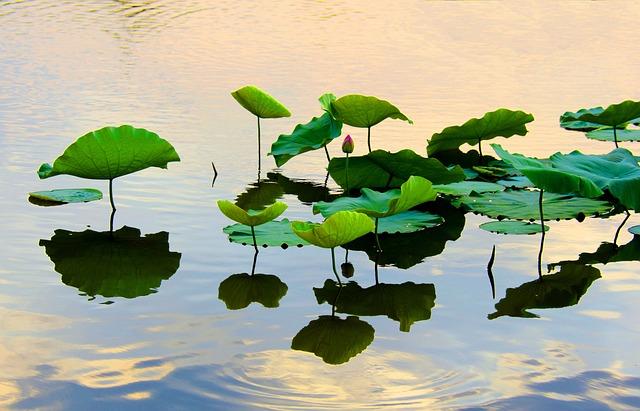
x=112 y=152
x=68 y=195
x=271 y=234
x=260 y=103
x=364 y=111
x=240 y=290
x=339 y=229
x=513 y=227
x=251 y=217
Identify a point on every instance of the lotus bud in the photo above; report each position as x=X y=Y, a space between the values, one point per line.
x=347 y=145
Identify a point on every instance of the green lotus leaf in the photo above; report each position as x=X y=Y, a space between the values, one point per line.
x=549 y=178
x=464 y=188
x=325 y=102
x=122 y=264
x=339 y=229
x=523 y=205
x=316 y=134
x=334 y=339
x=406 y=303
x=617 y=172
x=240 y=290
x=616 y=115
x=364 y=111
x=382 y=169
x=276 y=233
x=513 y=227
x=607 y=134
x=500 y=123
x=516 y=182
x=559 y=290
x=68 y=195
x=111 y=152
x=251 y=218
x=569 y=120
x=635 y=230
x=260 y=103
x=408 y=222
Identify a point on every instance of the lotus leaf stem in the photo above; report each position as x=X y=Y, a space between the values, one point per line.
x=255 y=258
x=369 y=138
x=480 y=148
x=542 y=238
x=255 y=247
x=333 y=265
x=258 y=147
x=113 y=206
x=326 y=151
x=375 y=267
x=615 y=137
x=377 y=239
x=615 y=238
x=346 y=174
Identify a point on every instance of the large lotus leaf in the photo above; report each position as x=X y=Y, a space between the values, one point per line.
x=251 y=217
x=260 y=103
x=112 y=152
x=68 y=195
x=568 y=120
x=120 y=265
x=513 y=227
x=563 y=289
x=523 y=205
x=416 y=190
x=616 y=115
x=464 y=188
x=334 y=339
x=240 y=290
x=274 y=233
x=316 y=134
x=408 y=222
x=500 y=123
x=364 y=111
x=608 y=134
x=617 y=171
x=339 y=229
x=465 y=160
x=407 y=302
x=259 y=195
x=548 y=178
x=382 y=169
x=325 y=102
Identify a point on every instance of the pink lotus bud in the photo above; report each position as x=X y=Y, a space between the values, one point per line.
x=347 y=145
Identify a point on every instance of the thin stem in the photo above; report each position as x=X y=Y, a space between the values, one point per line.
x=326 y=179
x=375 y=267
x=480 y=148
x=333 y=265
x=615 y=136
x=377 y=239
x=543 y=234
x=326 y=151
x=346 y=174
x=335 y=302
x=615 y=239
x=113 y=206
x=258 y=148
x=255 y=258
x=369 y=138
x=346 y=255
x=255 y=247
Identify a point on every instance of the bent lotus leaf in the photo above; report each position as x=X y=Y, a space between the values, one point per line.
x=406 y=303
x=559 y=290
x=260 y=103
x=240 y=290
x=616 y=115
x=569 y=120
x=325 y=102
x=271 y=234
x=364 y=111
x=251 y=217
x=68 y=195
x=334 y=339
x=314 y=135
x=339 y=229
x=513 y=227
x=608 y=134
x=464 y=188
x=119 y=264
x=416 y=190
x=523 y=205
x=408 y=222
x=112 y=152
x=500 y=123
x=382 y=169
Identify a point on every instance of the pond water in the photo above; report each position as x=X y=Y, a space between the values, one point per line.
x=76 y=341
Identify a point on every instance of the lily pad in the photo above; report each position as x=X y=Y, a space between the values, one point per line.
x=334 y=339
x=365 y=111
x=341 y=228
x=464 y=188
x=406 y=303
x=112 y=152
x=523 y=205
x=607 y=134
x=500 y=123
x=68 y=195
x=240 y=290
x=382 y=169
x=273 y=233
x=408 y=222
x=313 y=135
x=251 y=217
x=260 y=103
x=513 y=227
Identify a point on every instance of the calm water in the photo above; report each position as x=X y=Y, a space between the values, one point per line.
x=68 y=67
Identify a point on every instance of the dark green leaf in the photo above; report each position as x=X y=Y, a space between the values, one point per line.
x=513 y=227
x=273 y=233
x=240 y=290
x=616 y=115
x=408 y=222
x=569 y=120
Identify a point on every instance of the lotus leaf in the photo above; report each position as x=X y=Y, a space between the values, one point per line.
x=117 y=264
x=516 y=182
x=408 y=222
x=240 y=290
x=513 y=227
x=407 y=302
x=616 y=115
x=274 y=233
x=339 y=229
x=568 y=120
x=364 y=111
x=260 y=103
x=635 y=230
x=464 y=188
x=68 y=195
x=416 y=190
x=316 y=134
x=334 y=339
x=325 y=102
x=251 y=218
x=500 y=123
x=111 y=152
x=608 y=134
x=523 y=205
x=382 y=169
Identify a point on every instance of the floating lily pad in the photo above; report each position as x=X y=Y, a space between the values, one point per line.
x=607 y=134
x=365 y=111
x=513 y=227
x=68 y=195
x=240 y=290
x=523 y=205
x=408 y=222
x=273 y=234
x=260 y=103
x=464 y=188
